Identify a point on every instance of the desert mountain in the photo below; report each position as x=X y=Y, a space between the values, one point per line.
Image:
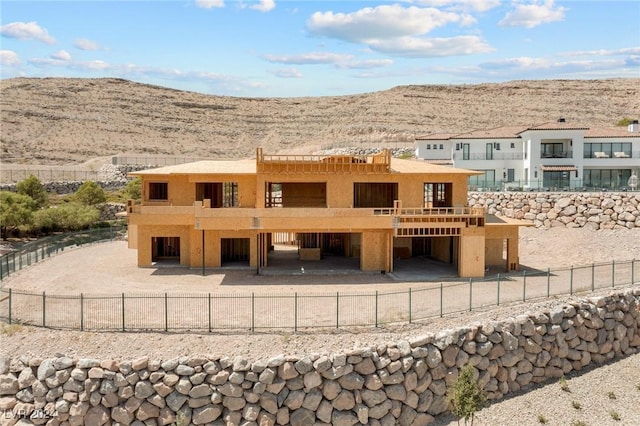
x=65 y=120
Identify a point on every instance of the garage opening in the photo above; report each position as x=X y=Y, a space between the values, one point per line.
x=165 y=249
x=319 y=252
x=426 y=257
x=235 y=251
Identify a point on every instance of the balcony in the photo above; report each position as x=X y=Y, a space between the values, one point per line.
x=324 y=164
x=483 y=156
x=561 y=154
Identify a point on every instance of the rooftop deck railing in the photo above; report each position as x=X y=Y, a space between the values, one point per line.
x=376 y=163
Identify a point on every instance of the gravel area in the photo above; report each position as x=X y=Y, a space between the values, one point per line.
x=539 y=249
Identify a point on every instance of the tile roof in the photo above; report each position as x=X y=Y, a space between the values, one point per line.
x=514 y=132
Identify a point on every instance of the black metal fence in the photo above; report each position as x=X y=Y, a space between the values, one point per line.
x=36 y=251
x=296 y=311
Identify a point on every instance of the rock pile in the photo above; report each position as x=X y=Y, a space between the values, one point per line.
x=603 y=210
x=109 y=211
x=403 y=152
x=397 y=384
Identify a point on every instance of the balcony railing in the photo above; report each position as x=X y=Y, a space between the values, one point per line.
x=343 y=164
x=483 y=156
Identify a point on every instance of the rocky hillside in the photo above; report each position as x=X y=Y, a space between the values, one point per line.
x=64 y=121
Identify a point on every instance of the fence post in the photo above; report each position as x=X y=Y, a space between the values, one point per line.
x=123 y=328
x=441 y=289
x=81 y=312
x=613 y=273
x=376 y=308
x=524 y=285
x=548 y=281
x=10 y=297
x=409 y=305
x=498 y=302
x=470 y=294
x=44 y=309
x=166 y=312
x=571 y=281
x=295 y=311
x=337 y=309
x=1 y=268
x=593 y=276
x=209 y=299
x=253 y=311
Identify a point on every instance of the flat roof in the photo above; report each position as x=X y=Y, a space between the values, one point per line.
x=400 y=165
x=248 y=167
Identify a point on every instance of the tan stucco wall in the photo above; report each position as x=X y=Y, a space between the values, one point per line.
x=472 y=261
x=493 y=252
x=145 y=233
x=374 y=252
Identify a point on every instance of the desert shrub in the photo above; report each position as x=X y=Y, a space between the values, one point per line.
x=65 y=217
x=624 y=122
x=33 y=188
x=466 y=397
x=90 y=194
x=16 y=212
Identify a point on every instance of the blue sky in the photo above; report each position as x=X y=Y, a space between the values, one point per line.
x=276 y=48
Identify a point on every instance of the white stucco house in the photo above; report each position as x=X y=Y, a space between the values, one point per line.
x=551 y=156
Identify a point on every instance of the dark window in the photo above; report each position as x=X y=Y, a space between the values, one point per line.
x=437 y=194
x=374 y=194
x=465 y=151
x=158 y=191
x=489 y=151
x=221 y=194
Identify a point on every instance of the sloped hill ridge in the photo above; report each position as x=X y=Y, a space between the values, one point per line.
x=64 y=120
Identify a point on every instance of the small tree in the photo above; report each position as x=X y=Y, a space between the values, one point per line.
x=90 y=194
x=466 y=397
x=133 y=190
x=32 y=187
x=16 y=211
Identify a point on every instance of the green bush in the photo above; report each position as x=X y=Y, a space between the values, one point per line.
x=133 y=190
x=65 y=217
x=466 y=397
x=33 y=188
x=16 y=212
x=90 y=194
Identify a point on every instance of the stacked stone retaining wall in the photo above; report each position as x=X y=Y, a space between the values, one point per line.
x=602 y=210
x=404 y=383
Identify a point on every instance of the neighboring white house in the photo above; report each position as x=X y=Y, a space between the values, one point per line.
x=550 y=156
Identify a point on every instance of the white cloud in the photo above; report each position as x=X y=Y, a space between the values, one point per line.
x=26 y=31
x=435 y=47
x=9 y=58
x=604 y=52
x=367 y=64
x=382 y=22
x=67 y=63
x=85 y=44
x=264 y=5
x=209 y=4
x=61 y=55
x=475 y=5
x=309 y=58
x=534 y=14
x=287 y=73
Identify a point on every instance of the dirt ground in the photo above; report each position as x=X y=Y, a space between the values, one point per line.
x=111 y=267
